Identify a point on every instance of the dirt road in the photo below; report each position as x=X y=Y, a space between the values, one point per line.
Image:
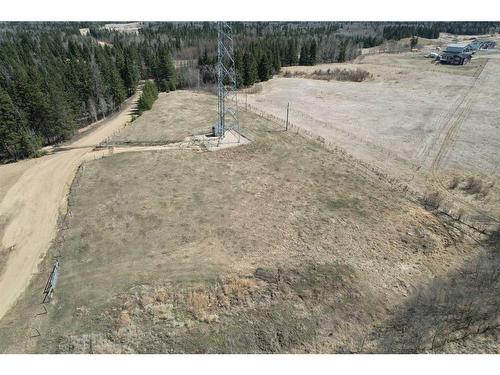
x=32 y=195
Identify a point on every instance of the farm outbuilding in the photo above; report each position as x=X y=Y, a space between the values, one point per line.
x=456 y=54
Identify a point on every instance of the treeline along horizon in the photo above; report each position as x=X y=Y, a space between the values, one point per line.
x=54 y=80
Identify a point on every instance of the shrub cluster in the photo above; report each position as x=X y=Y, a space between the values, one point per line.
x=470 y=185
x=337 y=74
x=148 y=97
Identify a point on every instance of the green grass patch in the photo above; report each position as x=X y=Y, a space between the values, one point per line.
x=335 y=204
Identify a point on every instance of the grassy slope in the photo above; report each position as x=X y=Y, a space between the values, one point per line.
x=276 y=246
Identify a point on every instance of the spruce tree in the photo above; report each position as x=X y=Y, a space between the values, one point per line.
x=313 y=52
x=249 y=69
x=60 y=118
x=263 y=68
x=9 y=138
x=116 y=87
x=342 y=52
x=167 y=74
x=239 y=67
x=276 y=61
x=16 y=140
x=148 y=97
x=130 y=71
x=304 y=55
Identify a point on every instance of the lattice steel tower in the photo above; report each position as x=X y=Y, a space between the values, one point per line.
x=227 y=104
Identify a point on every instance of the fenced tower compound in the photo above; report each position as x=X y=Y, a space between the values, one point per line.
x=227 y=98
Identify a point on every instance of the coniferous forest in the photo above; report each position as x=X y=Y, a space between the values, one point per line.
x=54 y=78
x=148 y=96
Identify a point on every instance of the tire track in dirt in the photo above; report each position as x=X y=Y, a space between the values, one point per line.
x=440 y=124
x=452 y=129
x=449 y=117
x=34 y=202
x=464 y=109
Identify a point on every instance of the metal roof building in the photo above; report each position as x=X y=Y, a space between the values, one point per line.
x=456 y=54
x=457 y=48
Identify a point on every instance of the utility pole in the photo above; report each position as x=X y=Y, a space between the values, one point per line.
x=287 y=110
x=246 y=101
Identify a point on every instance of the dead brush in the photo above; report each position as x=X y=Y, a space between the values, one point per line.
x=473 y=185
x=295 y=74
x=239 y=287
x=255 y=89
x=432 y=200
x=237 y=291
x=124 y=318
x=357 y=75
x=200 y=304
x=161 y=295
x=198 y=301
x=453 y=183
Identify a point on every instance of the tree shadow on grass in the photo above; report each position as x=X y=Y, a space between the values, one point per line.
x=456 y=313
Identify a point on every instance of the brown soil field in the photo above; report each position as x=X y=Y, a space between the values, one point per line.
x=277 y=246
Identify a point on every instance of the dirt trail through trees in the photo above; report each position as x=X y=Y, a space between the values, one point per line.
x=34 y=194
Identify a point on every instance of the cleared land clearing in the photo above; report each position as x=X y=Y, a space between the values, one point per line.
x=413 y=119
x=276 y=246
x=397 y=109
x=172 y=118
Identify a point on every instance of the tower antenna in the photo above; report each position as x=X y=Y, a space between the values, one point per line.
x=227 y=98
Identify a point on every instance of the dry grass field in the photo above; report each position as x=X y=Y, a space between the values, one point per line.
x=423 y=123
x=280 y=245
x=173 y=118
